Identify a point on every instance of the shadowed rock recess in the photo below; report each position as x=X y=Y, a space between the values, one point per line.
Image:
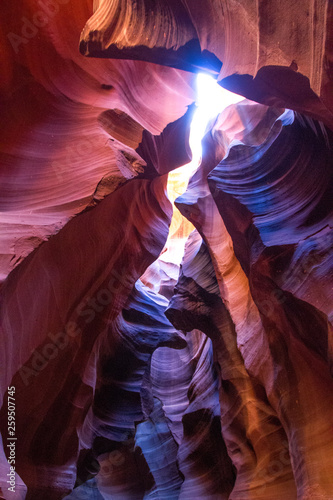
x=151 y=351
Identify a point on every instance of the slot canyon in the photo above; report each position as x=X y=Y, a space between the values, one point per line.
x=166 y=263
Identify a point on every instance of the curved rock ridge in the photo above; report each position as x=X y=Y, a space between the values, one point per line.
x=186 y=383
x=53 y=151
x=254 y=438
x=121 y=127
x=296 y=232
x=55 y=322
x=203 y=458
x=169 y=150
x=139 y=332
x=29 y=44
x=282 y=87
x=105 y=406
x=306 y=276
x=171 y=375
x=295 y=159
x=159 y=32
x=273 y=332
x=154 y=438
x=246 y=36
x=40 y=193
x=122 y=357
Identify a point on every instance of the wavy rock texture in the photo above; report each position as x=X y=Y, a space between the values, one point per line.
x=301 y=169
x=151 y=31
x=246 y=36
x=272 y=328
x=103 y=270
x=123 y=357
x=242 y=409
x=189 y=392
x=54 y=147
x=296 y=230
x=261 y=459
x=203 y=458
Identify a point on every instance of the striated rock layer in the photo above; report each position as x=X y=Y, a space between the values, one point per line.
x=247 y=38
x=254 y=436
x=59 y=319
x=274 y=329
x=132 y=382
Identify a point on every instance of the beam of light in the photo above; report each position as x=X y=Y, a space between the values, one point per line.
x=211 y=100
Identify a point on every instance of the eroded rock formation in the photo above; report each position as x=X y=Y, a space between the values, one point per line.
x=134 y=377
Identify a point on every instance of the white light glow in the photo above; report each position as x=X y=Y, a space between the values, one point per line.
x=211 y=100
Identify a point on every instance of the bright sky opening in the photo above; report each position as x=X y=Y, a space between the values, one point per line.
x=211 y=100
